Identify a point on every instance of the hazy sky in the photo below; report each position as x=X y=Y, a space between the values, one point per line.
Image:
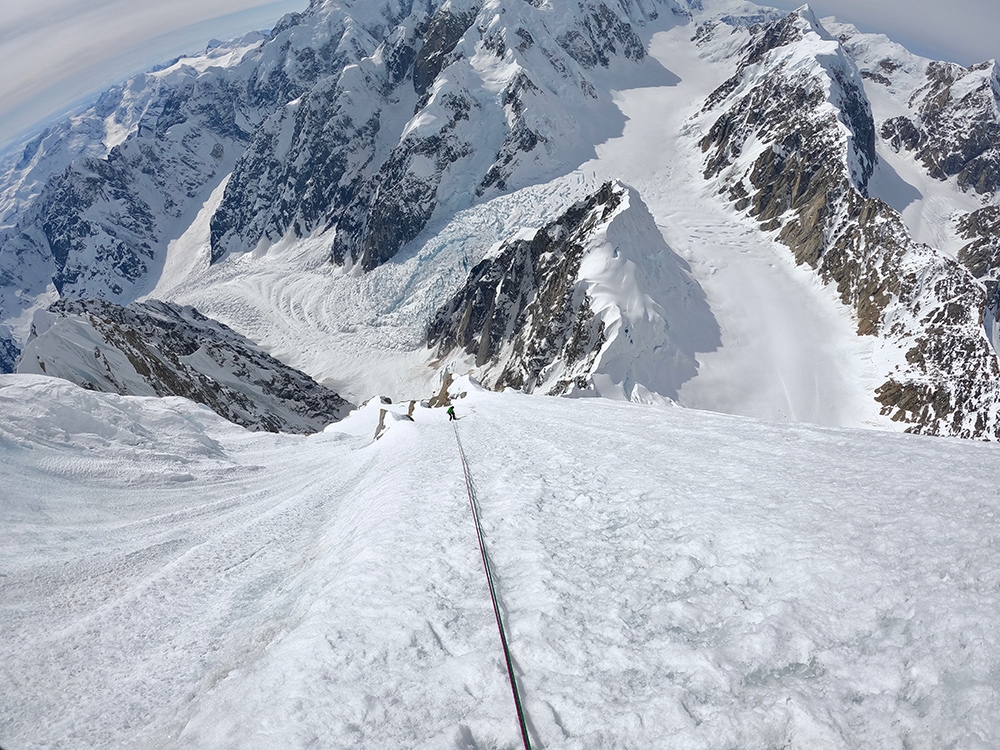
x=54 y=53
x=962 y=31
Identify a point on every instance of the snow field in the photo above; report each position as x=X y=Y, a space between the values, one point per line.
x=667 y=575
x=723 y=582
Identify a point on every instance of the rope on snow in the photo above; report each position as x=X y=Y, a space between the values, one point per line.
x=488 y=567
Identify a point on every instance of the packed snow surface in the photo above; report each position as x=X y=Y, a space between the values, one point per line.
x=667 y=576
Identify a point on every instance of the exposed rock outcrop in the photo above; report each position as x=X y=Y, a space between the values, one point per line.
x=594 y=302
x=791 y=141
x=157 y=348
x=982 y=255
x=956 y=128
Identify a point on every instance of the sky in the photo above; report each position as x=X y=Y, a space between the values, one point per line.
x=57 y=53
x=962 y=31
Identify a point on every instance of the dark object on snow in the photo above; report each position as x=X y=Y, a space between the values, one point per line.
x=442 y=398
x=451 y=414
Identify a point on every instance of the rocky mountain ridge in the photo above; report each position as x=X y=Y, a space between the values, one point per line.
x=161 y=349
x=90 y=206
x=455 y=104
x=576 y=309
x=792 y=142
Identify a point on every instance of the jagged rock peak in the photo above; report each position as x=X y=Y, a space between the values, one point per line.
x=461 y=100
x=794 y=82
x=950 y=120
x=594 y=303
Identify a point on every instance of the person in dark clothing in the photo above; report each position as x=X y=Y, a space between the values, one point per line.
x=451 y=413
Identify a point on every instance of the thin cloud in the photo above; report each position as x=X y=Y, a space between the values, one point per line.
x=57 y=52
x=962 y=31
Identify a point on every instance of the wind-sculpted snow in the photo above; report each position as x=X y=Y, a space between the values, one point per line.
x=171 y=580
x=156 y=348
x=792 y=142
x=594 y=303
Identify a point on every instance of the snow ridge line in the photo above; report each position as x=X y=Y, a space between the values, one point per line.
x=488 y=567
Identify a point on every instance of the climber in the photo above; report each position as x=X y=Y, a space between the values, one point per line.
x=451 y=413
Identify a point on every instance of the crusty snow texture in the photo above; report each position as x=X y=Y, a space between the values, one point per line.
x=667 y=575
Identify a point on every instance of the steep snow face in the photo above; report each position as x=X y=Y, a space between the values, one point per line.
x=780 y=131
x=171 y=580
x=156 y=348
x=595 y=303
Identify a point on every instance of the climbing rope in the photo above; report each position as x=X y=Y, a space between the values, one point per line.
x=488 y=567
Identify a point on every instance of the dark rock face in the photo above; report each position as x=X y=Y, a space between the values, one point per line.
x=956 y=131
x=803 y=171
x=176 y=351
x=982 y=255
x=809 y=184
x=120 y=247
x=523 y=311
x=444 y=31
x=902 y=133
x=600 y=36
x=9 y=351
x=393 y=206
x=317 y=164
x=315 y=178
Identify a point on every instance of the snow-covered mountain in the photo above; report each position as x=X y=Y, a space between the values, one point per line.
x=456 y=103
x=594 y=303
x=339 y=190
x=792 y=140
x=679 y=206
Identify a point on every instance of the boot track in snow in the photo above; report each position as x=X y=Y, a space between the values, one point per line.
x=487 y=566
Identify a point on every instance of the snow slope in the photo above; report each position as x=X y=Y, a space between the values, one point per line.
x=668 y=575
